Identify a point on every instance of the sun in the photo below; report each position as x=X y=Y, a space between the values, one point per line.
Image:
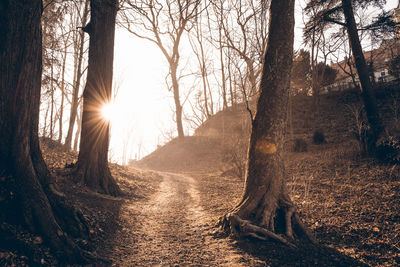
x=108 y=112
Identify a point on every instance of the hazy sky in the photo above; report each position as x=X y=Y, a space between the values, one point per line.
x=144 y=106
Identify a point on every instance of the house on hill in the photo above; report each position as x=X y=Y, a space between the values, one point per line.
x=396 y=18
x=378 y=61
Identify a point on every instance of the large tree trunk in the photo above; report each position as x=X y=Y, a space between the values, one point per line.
x=20 y=156
x=265 y=210
x=376 y=127
x=92 y=165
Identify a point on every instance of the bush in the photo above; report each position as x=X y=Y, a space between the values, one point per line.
x=300 y=145
x=318 y=137
x=389 y=150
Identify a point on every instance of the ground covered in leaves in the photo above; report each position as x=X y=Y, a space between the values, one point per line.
x=350 y=203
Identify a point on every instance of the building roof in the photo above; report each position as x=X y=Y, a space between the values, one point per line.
x=380 y=58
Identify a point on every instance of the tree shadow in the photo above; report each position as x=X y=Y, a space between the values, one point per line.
x=306 y=254
x=101 y=212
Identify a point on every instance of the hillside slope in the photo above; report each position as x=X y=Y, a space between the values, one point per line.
x=220 y=143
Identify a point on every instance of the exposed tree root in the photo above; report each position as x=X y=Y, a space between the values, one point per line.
x=98 y=179
x=289 y=224
x=244 y=228
x=303 y=230
x=68 y=216
x=47 y=212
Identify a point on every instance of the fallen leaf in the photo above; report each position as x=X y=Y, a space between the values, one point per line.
x=37 y=240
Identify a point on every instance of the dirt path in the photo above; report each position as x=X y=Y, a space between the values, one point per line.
x=170 y=228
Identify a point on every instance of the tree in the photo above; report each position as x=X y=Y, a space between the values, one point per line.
x=164 y=24
x=333 y=11
x=394 y=66
x=326 y=74
x=244 y=28
x=221 y=54
x=52 y=21
x=200 y=51
x=79 y=42
x=265 y=209
x=42 y=206
x=376 y=127
x=301 y=71
x=92 y=165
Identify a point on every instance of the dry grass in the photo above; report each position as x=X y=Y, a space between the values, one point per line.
x=351 y=203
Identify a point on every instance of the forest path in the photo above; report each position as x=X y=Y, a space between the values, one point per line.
x=170 y=228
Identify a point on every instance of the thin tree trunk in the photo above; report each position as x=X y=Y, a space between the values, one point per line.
x=202 y=63
x=205 y=92
x=251 y=76
x=376 y=127
x=45 y=121
x=225 y=103
x=52 y=95
x=75 y=95
x=92 y=165
x=79 y=125
x=178 y=106
x=265 y=209
x=210 y=93
x=60 y=129
x=233 y=97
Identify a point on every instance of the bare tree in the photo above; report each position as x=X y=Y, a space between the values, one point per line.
x=79 y=43
x=200 y=50
x=66 y=41
x=245 y=32
x=164 y=23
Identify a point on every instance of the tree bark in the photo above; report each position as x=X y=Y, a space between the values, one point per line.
x=20 y=156
x=92 y=165
x=375 y=123
x=265 y=210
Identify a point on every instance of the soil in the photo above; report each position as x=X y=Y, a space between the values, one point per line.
x=170 y=227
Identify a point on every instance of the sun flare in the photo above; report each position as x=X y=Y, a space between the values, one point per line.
x=108 y=111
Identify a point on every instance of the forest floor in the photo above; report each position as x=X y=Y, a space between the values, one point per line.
x=168 y=219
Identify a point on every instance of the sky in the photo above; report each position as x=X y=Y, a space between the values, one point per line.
x=142 y=117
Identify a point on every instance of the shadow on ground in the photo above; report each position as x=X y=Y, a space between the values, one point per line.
x=275 y=254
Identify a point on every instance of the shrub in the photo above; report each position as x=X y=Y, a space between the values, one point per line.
x=389 y=150
x=318 y=137
x=300 y=145
x=360 y=128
